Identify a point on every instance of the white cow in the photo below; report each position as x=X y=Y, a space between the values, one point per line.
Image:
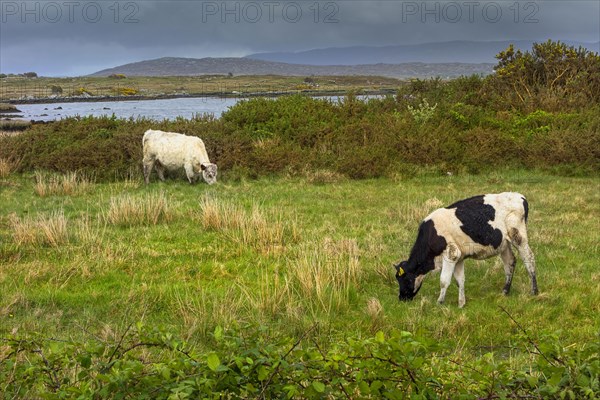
x=171 y=151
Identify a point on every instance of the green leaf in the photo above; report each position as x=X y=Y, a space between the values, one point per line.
x=318 y=386
x=218 y=333
x=364 y=387
x=263 y=373
x=85 y=361
x=213 y=361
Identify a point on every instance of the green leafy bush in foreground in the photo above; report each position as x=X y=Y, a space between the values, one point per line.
x=147 y=362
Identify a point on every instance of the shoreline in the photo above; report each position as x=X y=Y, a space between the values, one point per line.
x=97 y=99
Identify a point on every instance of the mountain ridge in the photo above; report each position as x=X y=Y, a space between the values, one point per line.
x=180 y=66
x=443 y=59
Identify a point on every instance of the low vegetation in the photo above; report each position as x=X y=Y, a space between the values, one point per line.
x=278 y=281
x=12 y=125
x=18 y=87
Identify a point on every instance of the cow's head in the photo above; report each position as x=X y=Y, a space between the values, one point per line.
x=209 y=172
x=408 y=282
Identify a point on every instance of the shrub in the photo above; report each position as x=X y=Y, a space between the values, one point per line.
x=251 y=362
x=552 y=75
x=125 y=91
x=81 y=91
x=117 y=76
x=422 y=112
x=56 y=90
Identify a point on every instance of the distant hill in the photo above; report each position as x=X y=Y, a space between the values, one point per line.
x=174 y=66
x=471 y=52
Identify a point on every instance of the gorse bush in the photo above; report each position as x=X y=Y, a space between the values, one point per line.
x=552 y=75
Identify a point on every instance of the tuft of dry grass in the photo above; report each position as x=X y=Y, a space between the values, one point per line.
x=217 y=215
x=270 y=299
x=266 y=234
x=130 y=211
x=323 y=176
x=327 y=274
x=375 y=312
x=51 y=230
x=70 y=184
x=201 y=310
x=7 y=167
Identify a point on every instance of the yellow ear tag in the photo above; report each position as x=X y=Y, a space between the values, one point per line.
x=400 y=272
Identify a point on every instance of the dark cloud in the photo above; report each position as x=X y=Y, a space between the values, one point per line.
x=78 y=37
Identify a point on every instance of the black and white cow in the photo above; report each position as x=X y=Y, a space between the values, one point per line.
x=478 y=227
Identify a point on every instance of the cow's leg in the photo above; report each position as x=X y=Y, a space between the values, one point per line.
x=529 y=261
x=148 y=165
x=451 y=257
x=160 y=170
x=445 y=278
x=189 y=172
x=459 y=275
x=519 y=239
x=509 y=260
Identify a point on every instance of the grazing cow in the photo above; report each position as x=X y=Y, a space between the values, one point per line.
x=171 y=151
x=478 y=227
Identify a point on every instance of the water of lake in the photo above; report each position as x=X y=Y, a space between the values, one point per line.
x=154 y=109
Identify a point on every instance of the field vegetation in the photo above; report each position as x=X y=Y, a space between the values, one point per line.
x=278 y=280
x=18 y=87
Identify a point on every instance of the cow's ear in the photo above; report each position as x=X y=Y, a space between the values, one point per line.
x=399 y=269
x=202 y=167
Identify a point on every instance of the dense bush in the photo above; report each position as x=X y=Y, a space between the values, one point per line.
x=552 y=75
x=356 y=138
x=151 y=363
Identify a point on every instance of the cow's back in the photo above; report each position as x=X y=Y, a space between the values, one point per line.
x=169 y=148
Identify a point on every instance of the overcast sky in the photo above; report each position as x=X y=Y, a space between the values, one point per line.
x=70 y=37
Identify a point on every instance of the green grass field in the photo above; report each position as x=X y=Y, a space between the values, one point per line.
x=79 y=258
